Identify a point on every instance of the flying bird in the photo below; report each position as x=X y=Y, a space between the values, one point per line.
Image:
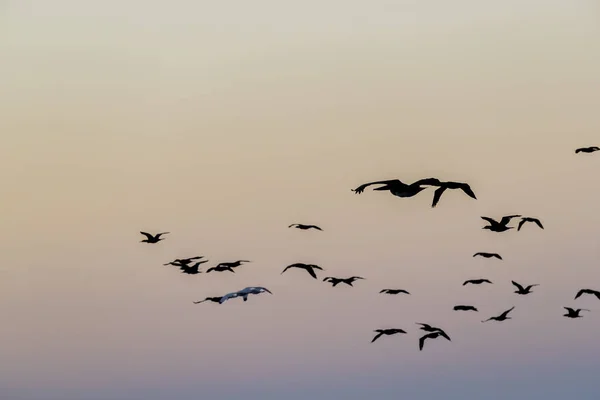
x=244 y=293
x=488 y=255
x=572 y=313
x=432 y=335
x=464 y=308
x=501 y=226
x=336 y=281
x=220 y=268
x=152 y=238
x=213 y=299
x=451 y=185
x=588 y=291
x=398 y=188
x=183 y=261
x=310 y=268
x=381 y=332
x=304 y=227
x=523 y=290
x=529 y=219
x=393 y=291
x=476 y=281
x=501 y=317
x=429 y=328
x=193 y=270
x=587 y=149
x=232 y=264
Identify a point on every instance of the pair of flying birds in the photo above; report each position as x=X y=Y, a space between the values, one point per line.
x=310 y=268
x=433 y=333
x=186 y=268
x=502 y=225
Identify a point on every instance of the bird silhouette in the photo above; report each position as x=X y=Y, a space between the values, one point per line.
x=232 y=264
x=432 y=335
x=244 y=293
x=590 y=149
x=398 y=188
x=464 y=308
x=391 y=331
x=488 y=255
x=476 y=281
x=310 y=268
x=443 y=186
x=501 y=317
x=429 y=328
x=529 y=219
x=347 y=281
x=152 y=238
x=588 y=291
x=393 y=291
x=523 y=290
x=183 y=261
x=304 y=227
x=193 y=270
x=501 y=226
x=213 y=299
x=220 y=268
x=574 y=313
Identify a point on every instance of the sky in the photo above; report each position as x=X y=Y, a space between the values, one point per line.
x=223 y=123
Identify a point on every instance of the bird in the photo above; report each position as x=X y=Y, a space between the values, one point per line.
x=398 y=188
x=183 y=261
x=476 y=281
x=429 y=328
x=391 y=331
x=220 y=268
x=465 y=308
x=590 y=149
x=451 y=185
x=244 y=293
x=572 y=313
x=501 y=226
x=393 y=291
x=152 y=238
x=529 y=219
x=488 y=255
x=305 y=227
x=523 y=290
x=347 y=281
x=232 y=264
x=588 y=291
x=193 y=270
x=310 y=268
x=213 y=299
x=432 y=335
x=501 y=317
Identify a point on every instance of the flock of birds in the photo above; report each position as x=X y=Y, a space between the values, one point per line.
x=403 y=190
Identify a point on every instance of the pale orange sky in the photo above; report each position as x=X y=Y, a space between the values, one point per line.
x=224 y=122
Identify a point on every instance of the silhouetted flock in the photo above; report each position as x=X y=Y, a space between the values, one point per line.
x=403 y=190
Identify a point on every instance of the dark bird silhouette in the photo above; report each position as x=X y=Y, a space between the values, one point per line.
x=451 y=185
x=523 y=290
x=347 y=281
x=572 y=313
x=244 y=293
x=501 y=317
x=399 y=188
x=432 y=335
x=310 y=268
x=183 y=261
x=529 y=219
x=232 y=264
x=304 y=227
x=587 y=149
x=501 y=226
x=588 y=291
x=193 y=270
x=488 y=255
x=429 y=328
x=476 y=281
x=393 y=291
x=381 y=332
x=464 y=308
x=152 y=238
x=220 y=268
x=213 y=299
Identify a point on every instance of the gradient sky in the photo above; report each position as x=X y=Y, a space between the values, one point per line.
x=225 y=121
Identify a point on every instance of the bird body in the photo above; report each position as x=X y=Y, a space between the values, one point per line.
x=310 y=268
x=465 y=308
x=336 y=281
x=193 y=270
x=501 y=317
x=476 y=281
x=501 y=226
x=304 y=227
x=529 y=219
x=391 y=331
x=590 y=149
x=244 y=293
x=152 y=238
x=393 y=291
x=488 y=255
x=523 y=290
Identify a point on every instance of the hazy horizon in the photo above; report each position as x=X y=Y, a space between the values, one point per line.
x=223 y=123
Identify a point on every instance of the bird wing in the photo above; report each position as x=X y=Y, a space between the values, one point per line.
x=377 y=336
x=316 y=227
x=444 y=334
x=288 y=267
x=311 y=272
x=362 y=187
x=229 y=296
x=357 y=277
x=521 y=288
x=211 y=269
x=422 y=341
x=437 y=195
x=162 y=233
x=582 y=291
x=486 y=280
x=292 y=225
x=427 y=182
x=468 y=191
x=498 y=256
x=505 y=313
x=477 y=254
x=578 y=151
x=384 y=291
x=490 y=220
x=149 y=236
x=569 y=309
x=506 y=219
x=538 y=222
x=469 y=281
x=316 y=266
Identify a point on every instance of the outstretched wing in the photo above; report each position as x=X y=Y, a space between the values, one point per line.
x=538 y=222
x=469 y=281
x=490 y=220
x=437 y=195
x=315 y=227
x=498 y=256
x=362 y=187
x=521 y=288
x=505 y=313
x=444 y=335
x=570 y=310
x=162 y=233
x=384 y=291
x=468 y=191
x=506 y=219
x=292 y=225
x=311 y=272
x=582 y=291
x=427 y=182
x=377 y=337
x=521 y=223
x=149 y=236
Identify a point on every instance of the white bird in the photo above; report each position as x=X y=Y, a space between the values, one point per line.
x=244 y=293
